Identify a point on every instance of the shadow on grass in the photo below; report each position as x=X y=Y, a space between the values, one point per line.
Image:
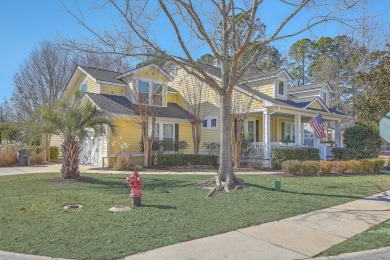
x=302 y=193
x=159 y=206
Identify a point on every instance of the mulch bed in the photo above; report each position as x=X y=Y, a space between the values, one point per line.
x=81 y=179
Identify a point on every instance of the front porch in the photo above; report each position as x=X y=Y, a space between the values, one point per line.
x=281 y=127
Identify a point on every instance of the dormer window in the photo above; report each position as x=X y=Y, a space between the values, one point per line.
x=281 y=88
x=83 y=88
x=150 y=93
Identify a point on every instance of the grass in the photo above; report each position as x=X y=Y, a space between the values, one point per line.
x=33 y=221
x=375 y=237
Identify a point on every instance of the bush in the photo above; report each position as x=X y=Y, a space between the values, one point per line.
x=291 y=166
x=37 y=158
x=310 y=167
x=8 y=153
x=281 y=154
x=326 y=167
x=138 y=168
x=344 y=154
x=54 y=153
x=186 y=159
x=36 y=148
x=364 y=140
x=211 y=147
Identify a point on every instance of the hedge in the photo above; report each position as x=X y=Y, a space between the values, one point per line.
x=344 y=154
x=281 y=154
x=54 y=152
x=186 y=159
x=333 y=167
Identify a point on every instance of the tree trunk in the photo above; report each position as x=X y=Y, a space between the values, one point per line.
x=148 y=140
x=225 y=172
x=237 y=137
x=196 y=131
x=70 y=159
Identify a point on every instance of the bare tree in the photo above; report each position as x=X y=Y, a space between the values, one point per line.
x=101 y=61
x=241 y=105
x=147 y=108
x=215 y=24
x=196 y=102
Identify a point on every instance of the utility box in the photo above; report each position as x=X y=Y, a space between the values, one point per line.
x=23 y=157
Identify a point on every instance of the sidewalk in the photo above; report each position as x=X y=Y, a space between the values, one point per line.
x=52 y=167
x=298 y=237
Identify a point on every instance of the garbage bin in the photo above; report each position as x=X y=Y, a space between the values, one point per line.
x=22 y=157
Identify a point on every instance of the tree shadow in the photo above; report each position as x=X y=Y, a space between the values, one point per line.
x=302 y=193
x=159 y=206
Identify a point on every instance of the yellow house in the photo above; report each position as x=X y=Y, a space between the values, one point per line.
x=275 y=112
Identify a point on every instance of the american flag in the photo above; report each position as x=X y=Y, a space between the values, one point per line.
x=317 y=123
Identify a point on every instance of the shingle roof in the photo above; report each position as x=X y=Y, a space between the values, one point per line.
x=307 y=87
x=103 y=75
x=122 y=106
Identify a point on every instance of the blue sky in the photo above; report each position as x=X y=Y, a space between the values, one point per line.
x=24 y=23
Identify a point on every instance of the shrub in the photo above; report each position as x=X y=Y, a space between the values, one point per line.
x=8 y=153
x=122 y=161
x=138 y=168
x=372 y=165
x=310 y=167
x=364 y=140
x=344 y=154
x=291 y=166
x=282 y=154
x=37 y=158
x=211 y=147
x=186 y=159
x=54 y=153
x=326 y=167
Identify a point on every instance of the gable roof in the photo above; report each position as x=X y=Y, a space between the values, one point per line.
x=145 y=67
x=103 y=75
x=120 y=105
x=309 y=87
x=269 y=74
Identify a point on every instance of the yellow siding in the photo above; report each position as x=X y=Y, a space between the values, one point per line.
x=315 y=106
x=151 y=73
x=266 y=89
x=185 y=134
x=72 y=89
x=92 y=87
x=171 y=98
x=112 y=90
x=127 y=138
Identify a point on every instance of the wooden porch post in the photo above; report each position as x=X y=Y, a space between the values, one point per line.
x=337 y=133
x=267 y=133
x=298 y=130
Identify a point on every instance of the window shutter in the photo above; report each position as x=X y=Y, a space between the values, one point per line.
x=283 y=131
x=176 y=136
x=257 y=137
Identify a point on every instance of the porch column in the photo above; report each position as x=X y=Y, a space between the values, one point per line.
x=337 y=133
x=298 y=130
x=267 y=133
x=277 y=130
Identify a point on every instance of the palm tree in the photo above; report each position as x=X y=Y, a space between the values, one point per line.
x=71 y=119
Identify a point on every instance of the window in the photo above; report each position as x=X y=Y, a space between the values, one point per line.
x=251 y=130
x=210 y=122
x=143 y=88
x=324 y=97
x=83 y=88
x=168 y=132
x=156 y=132
x=288 y=133
x=157 y=94
x=306 y=136
x=281 y=88
x=150 y=93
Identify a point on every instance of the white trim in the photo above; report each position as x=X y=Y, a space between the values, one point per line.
x=208 y=119
x=109 y=83
x=321 y=103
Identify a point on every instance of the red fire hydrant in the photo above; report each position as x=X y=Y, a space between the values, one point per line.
x=134 y=181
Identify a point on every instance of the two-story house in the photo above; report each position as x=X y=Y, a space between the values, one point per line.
x=276 y=113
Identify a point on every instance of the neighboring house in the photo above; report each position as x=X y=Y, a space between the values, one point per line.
x=276 y=112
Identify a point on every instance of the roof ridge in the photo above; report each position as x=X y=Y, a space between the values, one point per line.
x=98 y=69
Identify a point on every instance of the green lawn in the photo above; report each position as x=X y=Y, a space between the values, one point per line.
x=32 y=219
x=375 y=237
